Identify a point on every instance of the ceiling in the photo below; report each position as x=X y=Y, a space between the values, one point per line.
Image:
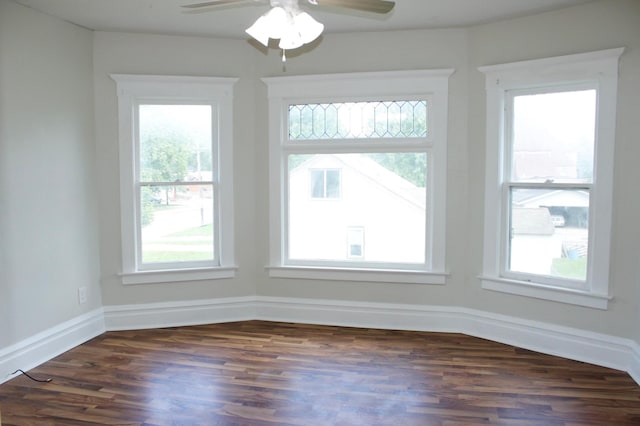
x=167 y=17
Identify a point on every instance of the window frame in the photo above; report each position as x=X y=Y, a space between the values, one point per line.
x=136 y=90
x=597 y=70
x=354 y=87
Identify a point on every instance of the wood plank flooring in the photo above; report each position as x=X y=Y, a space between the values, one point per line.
x=265 y=373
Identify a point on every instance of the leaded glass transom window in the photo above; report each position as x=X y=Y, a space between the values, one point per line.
x=358 y=120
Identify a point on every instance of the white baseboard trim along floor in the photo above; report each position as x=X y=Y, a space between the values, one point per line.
x=600 y=349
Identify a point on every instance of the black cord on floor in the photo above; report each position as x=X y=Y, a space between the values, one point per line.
x=31 y=377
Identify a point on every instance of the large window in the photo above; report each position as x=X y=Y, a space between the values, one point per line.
x=359 y=152
x=176 y=188
x=550 y=137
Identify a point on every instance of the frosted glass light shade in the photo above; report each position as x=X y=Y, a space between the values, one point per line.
x=293 y=31
x=309 y=28
x=259 y=30
x=270 y=25
x=291 y=40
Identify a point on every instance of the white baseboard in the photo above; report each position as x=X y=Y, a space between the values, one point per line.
x=579 y=345
x=634 y=363
x=175 y=314
x=50 y=343
x=600 y=349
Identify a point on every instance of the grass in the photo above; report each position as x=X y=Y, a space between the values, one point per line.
x=173 y=239
x=570 y=268
x=175 y=256
x=198 y=231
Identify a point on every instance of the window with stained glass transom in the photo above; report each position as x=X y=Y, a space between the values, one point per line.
x=358 y=120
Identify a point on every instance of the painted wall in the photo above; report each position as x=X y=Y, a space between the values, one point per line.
x=599 y=25
x=563 y=32
x=48 y=198
x=36 y=50
x=134 y=53
x=169 y=55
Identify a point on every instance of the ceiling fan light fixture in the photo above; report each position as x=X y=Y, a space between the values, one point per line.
x=292 y=27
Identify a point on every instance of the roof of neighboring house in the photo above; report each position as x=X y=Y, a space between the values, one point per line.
x=551 y=197
x=378 y=174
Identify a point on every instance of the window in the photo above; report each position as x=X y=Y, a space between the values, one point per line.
x=550 y=137
x=355 y=242
x=325 y=183
x=176 y=188
x=353 y=152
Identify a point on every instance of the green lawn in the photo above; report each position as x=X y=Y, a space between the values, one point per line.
x=182 y=252
x=198 y=231
x=570 y=268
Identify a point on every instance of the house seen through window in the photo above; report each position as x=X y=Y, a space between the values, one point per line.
x=383 y=191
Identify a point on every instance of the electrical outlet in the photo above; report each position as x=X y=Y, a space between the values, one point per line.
x=82 y=295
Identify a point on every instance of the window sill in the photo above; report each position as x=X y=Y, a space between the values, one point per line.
x=353 y=274
x=539 y=291
x=177 y=275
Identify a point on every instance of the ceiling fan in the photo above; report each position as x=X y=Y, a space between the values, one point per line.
x=288 y=23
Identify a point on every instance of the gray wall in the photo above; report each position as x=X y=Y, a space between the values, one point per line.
x=121 y=53
x=169 y=55
x=48 y=214
x=598 y=25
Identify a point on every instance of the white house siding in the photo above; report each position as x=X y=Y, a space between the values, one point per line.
x=393 y=226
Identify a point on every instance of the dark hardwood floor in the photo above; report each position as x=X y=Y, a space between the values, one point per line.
x=265 y=373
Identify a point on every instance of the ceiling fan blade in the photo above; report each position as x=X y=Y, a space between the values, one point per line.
x=214 y=3
x=374 y=6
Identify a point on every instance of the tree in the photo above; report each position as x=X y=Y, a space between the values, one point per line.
x=164 y=160
x=410 y=166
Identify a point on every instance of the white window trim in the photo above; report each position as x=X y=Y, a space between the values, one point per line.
x=303 y=89
x=601 y=68
x=209 y=90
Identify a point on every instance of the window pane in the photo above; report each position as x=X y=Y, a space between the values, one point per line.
x=553 y=136
x=355 y=241
x=317 y=183
x=175 y=143
x=353 y=120
x=383 y=192
x=333 y=183
x=549 y=232
x=177 y=223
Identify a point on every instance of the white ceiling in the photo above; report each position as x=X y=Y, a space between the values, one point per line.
x=167 y=17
